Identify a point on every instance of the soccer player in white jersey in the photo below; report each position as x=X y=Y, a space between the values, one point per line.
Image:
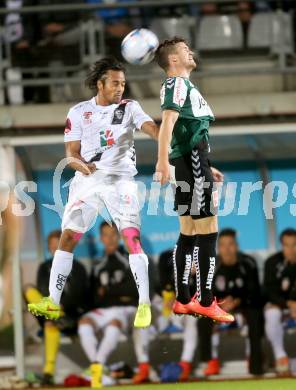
x=99 y=139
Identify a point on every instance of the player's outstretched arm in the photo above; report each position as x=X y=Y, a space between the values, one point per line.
x=169 y=118
x=76 y=162
x=151 y=129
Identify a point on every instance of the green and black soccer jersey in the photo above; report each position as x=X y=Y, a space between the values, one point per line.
x=195 y=115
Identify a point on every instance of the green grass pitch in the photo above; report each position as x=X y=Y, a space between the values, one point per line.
x=267 y=384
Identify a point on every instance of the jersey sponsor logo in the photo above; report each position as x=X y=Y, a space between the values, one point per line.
x=68 y=126
x=61 y=281
x=106 y=138
x=179 y=92
x=87 y=117
x=211 y=273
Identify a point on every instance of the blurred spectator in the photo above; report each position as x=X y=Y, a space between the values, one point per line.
x=168 y=322
x=236 y=285
x=20 y=33
x=59 y=28
x=209 y=9
x=74 y=303
x=117 y=24
x=9 y=233
x=280 y=295
x=245 y=14
x=114 y=299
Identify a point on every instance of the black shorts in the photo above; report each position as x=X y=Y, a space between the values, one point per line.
x=194 y=189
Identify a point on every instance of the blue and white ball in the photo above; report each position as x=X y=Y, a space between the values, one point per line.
x=139 y=46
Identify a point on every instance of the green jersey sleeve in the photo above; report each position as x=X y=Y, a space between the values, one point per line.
x=173 y=94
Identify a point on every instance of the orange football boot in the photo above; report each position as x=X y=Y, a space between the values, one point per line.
x=186 y=371
x=213 y=368
x=142 y=375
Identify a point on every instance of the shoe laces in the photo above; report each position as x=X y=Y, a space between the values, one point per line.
x=195 y=297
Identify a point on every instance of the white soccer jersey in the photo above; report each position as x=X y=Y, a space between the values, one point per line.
x=107 y=134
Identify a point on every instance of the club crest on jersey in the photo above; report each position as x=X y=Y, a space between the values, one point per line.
x=106 y=138
x=87 y=117
x=118 y=116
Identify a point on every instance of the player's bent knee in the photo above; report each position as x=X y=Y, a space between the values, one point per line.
x=69 y=240
x=131 y=237
x=116 y=323
x=86 y=321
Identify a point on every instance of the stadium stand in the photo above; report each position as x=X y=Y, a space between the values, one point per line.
x=220 y=32
x=170 y=27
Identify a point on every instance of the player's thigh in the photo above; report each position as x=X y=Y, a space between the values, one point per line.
x=206 y=225
x=103 y=317
x=128 y=316
x=83 y=204
x=123 y=204
x=187 y=225
x=182 y=181
x=273 y=313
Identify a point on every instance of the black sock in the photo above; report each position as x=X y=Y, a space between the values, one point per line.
x=206 y=261
x=182 y=266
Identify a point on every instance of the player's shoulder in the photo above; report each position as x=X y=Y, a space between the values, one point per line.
x=274 y=259
x=171 y=82
x=248 y=260
x=129 y=103
x=81 y=107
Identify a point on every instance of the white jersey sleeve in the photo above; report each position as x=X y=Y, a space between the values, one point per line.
x=138 y=115
x=73 y=129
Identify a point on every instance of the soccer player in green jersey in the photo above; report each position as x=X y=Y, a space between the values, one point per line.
x=186 y=117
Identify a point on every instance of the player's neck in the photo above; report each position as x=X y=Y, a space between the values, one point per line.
x=100 y=101
x=179 y=72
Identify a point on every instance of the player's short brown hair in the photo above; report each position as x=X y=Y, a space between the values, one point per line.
x=166 y=48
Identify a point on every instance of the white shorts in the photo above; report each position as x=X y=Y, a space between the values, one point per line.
x=102 y=317
x=90 y=195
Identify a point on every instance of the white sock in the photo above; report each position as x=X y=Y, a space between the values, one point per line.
x=88 y=341
x=247 y=347
x=139 y=267
x=108 y=343
x=189 y=339
x=61 y=268
x=141 y=340
x=215 y=341
x=274 y=331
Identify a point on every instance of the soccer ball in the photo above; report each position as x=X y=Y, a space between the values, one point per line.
x=139 y=46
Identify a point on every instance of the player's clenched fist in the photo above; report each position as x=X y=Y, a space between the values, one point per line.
x=162 y=173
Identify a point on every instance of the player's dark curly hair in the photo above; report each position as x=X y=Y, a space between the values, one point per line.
x=164 y=49
x=99 y=69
